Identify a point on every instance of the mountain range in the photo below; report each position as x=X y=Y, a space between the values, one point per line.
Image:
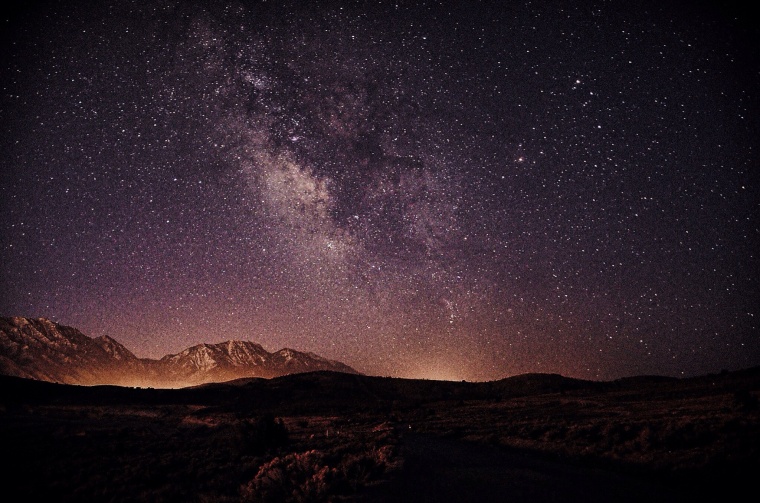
x=47 y=351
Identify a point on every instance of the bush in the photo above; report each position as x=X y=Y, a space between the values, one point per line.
x=318 y=475
x=745 y=401
x=296 y=477
x=256 y=437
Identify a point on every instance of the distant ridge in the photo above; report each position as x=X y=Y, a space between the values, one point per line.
x=47 y=351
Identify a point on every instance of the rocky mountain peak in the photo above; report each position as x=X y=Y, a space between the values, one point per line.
x=45 y=350
x=114 y=348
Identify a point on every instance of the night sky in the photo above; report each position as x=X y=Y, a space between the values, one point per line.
x=419 y=189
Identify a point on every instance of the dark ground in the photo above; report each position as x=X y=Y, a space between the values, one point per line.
x=338 y=437
x=445 y=470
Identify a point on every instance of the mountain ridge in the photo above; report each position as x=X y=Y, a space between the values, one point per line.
x=41 y=349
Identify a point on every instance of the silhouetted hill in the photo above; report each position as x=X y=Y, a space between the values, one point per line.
x=325 y=391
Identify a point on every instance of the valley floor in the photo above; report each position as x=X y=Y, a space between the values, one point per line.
x=346 y=438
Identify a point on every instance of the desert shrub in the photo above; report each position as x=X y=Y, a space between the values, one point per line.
x=586 y=433
x=318 y=475
x=619 y=433
x=557 y=434
x=296 y=477
x=686 y=435
x=745 y=401
x=262 y=434
x=357 y=469
x=645 y=438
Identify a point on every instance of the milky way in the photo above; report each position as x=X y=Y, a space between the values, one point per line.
x=421 y=189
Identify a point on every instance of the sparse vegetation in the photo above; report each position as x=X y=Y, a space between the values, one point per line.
x=317 y=475
x=326 y=437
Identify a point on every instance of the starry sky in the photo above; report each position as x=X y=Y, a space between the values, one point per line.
x=444 y=190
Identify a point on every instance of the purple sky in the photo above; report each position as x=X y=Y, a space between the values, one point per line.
x=440 y=190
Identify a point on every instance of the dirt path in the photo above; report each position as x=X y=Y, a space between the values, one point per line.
x=447 y=470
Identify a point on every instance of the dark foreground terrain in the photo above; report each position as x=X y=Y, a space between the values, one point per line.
x=339 y=437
